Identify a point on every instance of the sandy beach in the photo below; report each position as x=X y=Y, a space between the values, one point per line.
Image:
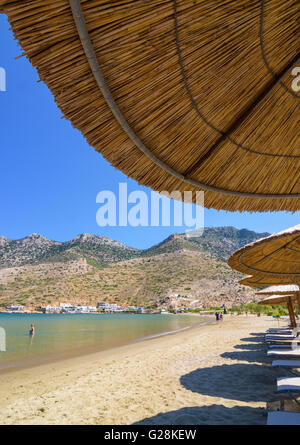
x=213 y=374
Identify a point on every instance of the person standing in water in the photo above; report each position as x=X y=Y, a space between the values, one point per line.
x=32 y=330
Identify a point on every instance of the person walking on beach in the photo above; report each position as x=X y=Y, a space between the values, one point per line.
x=217 y=316
x=221 y=316
x=32 y=330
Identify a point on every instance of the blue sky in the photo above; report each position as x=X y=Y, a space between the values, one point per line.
x=50 y=177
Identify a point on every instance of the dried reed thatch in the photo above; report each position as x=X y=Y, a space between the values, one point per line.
x=278 y=299
x=292 y=289
x=282 y=295
x=277 y=255
x=264 y=280
x=288 y=300
x=178 y=94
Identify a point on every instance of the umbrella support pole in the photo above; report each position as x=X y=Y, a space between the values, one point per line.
x=298 y=303
x=291 y=313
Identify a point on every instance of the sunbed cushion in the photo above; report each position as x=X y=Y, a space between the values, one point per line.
x=283 y=418
x=292 y=352
x=288 y=384
x=287 y=363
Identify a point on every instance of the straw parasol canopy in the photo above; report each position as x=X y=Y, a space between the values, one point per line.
x=276 y=256
x=283 y=300
x=291 y=289
x=179 y=94
x=263 y=280
x=277 y=299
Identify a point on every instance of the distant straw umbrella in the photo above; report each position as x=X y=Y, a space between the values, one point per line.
x=275 y=258
x=179 y=95
x=263 y=281
x=282 y=289
x=291 y=290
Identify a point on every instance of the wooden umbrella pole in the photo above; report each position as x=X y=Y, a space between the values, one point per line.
x=291 y=312
x=298 y=302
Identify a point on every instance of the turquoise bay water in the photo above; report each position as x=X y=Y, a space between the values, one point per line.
x=64 y=335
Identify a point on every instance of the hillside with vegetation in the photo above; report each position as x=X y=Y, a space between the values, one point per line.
x=35 y=271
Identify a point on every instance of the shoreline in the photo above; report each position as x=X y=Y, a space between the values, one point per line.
x=77 y=354
x=197 y=370
x=76 y=360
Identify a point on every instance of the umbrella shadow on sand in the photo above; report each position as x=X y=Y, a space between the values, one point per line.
x=251 y=347
x=247 y=356
x=243 y=382
x=210 y=415
x=238 y=382
x=253 y=351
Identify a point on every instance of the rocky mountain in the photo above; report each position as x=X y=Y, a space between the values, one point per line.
x=90 y=268
x=26 y=250
x=34 y=249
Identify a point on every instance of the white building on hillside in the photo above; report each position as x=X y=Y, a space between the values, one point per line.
x=109 y=307
x=15 y=308
x=51 y=309
x=65 y=305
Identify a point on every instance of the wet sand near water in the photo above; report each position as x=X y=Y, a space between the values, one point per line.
x=212 y=374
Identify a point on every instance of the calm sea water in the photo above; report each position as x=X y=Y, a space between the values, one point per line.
x=63 y=335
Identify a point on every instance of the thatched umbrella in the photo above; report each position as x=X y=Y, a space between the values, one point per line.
x=276 y=256
x=263 y=281
x=292 y=290
x=178 y=94
x=277 y=299
x=271 y=259
x=282 y=300
x=281 y=289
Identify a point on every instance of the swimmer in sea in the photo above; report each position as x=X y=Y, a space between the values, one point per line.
x=32 y=331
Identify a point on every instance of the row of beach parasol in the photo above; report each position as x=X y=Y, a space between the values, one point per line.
x=273 y=263
x=180 y=95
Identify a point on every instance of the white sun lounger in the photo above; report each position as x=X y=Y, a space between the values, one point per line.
x=282 y=328
x=291 y=384
x=279 y=337
x=272 y=330
x=280 y=334
x=283 y=418
x=284 y=352
x=286 y=363
x=280 y=346
x=281 y=343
